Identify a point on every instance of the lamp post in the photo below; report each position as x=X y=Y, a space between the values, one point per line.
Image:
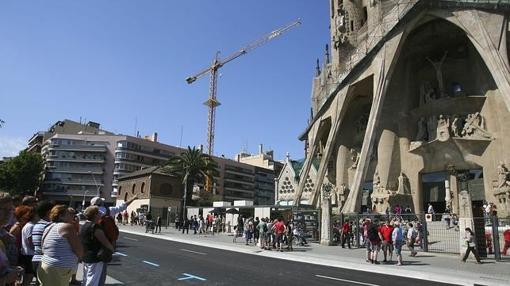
x=83 y=202
x=95 y=183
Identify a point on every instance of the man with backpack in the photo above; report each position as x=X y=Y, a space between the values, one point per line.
x=107 y=222
x=374 y=241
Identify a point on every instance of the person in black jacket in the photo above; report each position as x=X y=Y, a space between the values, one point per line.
x=94 y=241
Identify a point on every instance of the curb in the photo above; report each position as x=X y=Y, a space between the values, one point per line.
x=459 y=279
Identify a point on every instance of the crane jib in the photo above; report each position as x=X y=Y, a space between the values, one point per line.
x=212 y=102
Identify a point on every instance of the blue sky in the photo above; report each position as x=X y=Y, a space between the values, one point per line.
x=121 y=62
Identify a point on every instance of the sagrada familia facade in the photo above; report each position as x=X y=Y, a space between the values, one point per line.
x=411 y=106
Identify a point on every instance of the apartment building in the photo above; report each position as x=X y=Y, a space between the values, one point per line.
x=83 y=161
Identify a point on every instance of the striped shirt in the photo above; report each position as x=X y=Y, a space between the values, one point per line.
x=37 y=233
x=56 y=248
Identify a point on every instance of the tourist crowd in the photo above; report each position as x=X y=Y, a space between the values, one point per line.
x=44 y=240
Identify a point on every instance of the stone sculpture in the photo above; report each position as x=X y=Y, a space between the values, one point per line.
x=403 y=184
x=456 y=125
x=443 y=131
x=421 y=135
x=503 y=174
x=439 y=73
x=432 y=127
x=474 y=126
x=426 y=93
x=355 y=158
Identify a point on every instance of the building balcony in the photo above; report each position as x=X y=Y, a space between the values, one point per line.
x=82 y=148
x=52 y=158
x=142 y=153
x=76 y=170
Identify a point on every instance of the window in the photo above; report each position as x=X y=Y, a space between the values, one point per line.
x=125 y=196
x=142 y=188
x=133 y=189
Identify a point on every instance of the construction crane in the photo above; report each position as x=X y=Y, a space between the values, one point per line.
x=217 y=63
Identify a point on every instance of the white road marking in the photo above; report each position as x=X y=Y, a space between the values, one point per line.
x=119 y=253
x=129 y=238
x=151 y=263
x=344 y=280
x=196 y=252
x=190 y=276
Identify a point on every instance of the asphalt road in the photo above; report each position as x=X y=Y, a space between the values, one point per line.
x=149 y=261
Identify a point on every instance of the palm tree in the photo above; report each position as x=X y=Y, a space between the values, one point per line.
x=192 y=166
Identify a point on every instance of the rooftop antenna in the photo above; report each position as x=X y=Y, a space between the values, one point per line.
x=136 y=126
x=180 y=140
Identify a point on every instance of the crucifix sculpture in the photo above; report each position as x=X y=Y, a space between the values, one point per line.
x=439 y=74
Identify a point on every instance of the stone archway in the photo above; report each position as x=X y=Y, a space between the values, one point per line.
x=438 y=95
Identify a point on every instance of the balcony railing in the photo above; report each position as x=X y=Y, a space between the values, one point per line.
x=87 y=148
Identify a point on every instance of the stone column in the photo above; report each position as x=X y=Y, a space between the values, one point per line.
x=384 y=156
x=465 y=218
x=342 y=165
x=326 y=214
x=454 y=189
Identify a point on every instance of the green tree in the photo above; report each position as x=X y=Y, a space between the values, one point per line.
x=192 y=167
x=22 y=174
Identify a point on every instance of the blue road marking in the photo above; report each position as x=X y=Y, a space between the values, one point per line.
x=151 y=263
x=190 y=276
x=120 y=253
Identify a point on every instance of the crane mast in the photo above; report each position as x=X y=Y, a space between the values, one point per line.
x=212 y=102
x=217 y=63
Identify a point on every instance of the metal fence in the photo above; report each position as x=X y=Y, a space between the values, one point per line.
x=436 y=233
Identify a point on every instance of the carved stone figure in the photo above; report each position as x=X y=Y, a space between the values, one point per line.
x=426 y=93
x=456 y=126
x=355 y=158
x=503 y=174
x=421 y=135
x=474 y=126
x=377 y=180
x=439 y=73
x=432 y=127
x=443 y=131
x=403 y=184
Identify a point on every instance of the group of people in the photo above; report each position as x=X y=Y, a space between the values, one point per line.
x=271 y=234
x=209 y=224
x=44 y=240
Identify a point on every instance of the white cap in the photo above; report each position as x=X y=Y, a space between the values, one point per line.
x=96 y=201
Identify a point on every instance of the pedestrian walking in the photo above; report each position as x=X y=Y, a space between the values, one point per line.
x=279 y=230
x=346 y=234
x=397 y=237
x=412 y=233
x=469 y=238
x=506 y=236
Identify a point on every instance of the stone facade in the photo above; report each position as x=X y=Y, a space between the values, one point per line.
x=412 y=108
x=156 y=192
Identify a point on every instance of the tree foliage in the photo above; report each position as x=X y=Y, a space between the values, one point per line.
x=22 y=174
x=192 y=167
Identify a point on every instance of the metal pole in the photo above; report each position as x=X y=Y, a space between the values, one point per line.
x=425 y=239
x=495 y=237
x=95 y=183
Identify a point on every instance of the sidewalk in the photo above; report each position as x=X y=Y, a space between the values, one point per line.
x=427 y=266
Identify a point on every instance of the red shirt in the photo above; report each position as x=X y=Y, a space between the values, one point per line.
x=279 y=227
x=386 y=231
x=346 y=227
x=506 y=235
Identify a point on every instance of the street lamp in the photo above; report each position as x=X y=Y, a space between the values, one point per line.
x=95 y=183
x=83 y=202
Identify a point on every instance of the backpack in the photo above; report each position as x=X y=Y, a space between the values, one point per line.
x=265 y=228
x=372 y=233
x=110 y=229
